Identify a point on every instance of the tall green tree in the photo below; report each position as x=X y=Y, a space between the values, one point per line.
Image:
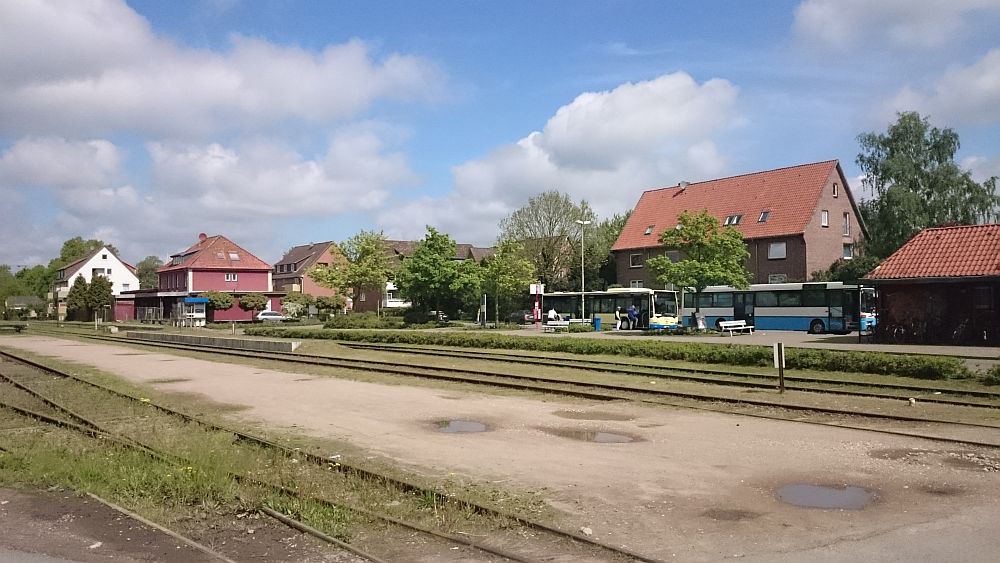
x=506 y=276
x=916 y=183
x=146 y=272
x=296 y=303
x=99 y=294
x=710 y=255
x=433 y=279
x=848 y=270
x=367 y=265
x=10 y=285
x=547 y=229
x=78 y=300
x=36 y=280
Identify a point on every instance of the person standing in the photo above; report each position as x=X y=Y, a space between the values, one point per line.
x=633 y=317
x=618 y=318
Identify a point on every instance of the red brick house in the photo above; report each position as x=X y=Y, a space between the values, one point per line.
x=211 y=264
x=941 y=287
x=795 y=221
x=291 y=273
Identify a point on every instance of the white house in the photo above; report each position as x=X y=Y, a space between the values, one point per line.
x=101 y=262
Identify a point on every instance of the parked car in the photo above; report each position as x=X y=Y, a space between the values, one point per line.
x=439 y=316
x=271 y=316
x=524 y=316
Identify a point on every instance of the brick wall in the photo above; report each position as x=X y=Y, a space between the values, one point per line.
x=826 y=244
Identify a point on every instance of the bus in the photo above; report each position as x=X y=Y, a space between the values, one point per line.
x=815 y=307
x=656 y=309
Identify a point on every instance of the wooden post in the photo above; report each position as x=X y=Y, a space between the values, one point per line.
x=779 y=362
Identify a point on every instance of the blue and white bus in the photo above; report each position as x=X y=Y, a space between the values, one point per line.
x=815 y=307
x=656 y=309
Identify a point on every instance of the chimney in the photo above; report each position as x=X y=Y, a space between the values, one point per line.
x=202 y=237
x=683 y=185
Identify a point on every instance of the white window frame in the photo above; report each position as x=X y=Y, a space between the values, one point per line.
x=231 y=277
x=632 y=260
x=773 y=251
x=764 y=216
x=125 y=287
x=848 y=251
x=836 y=189
x=824 y=218
x=649 y=230
x=847 y=224
x=635 y=284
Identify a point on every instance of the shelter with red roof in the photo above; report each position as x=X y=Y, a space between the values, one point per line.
x=795 y=221
x=214 y=263
x=942 y=286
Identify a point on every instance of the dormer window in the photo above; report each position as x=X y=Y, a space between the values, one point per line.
x=763 y=216
x=649 y=230
x=733 y=220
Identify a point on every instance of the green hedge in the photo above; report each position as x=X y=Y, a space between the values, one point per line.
x=920 y=366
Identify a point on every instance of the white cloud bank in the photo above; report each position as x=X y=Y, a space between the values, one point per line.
x=844 y=25
x=87 y=67
x=606 y=147
x=962 y=95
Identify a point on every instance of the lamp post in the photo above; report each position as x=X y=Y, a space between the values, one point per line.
x=583 y=307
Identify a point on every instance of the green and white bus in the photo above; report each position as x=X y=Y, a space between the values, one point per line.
x=655 y=309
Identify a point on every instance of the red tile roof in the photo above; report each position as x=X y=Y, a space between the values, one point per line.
x=214 y=253
x=945 y=252
x=789 y=194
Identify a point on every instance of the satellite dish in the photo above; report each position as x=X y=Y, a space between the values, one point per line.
x=202 y=237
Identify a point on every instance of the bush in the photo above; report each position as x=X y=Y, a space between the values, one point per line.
x=992 y=376
x=362 y=320
x=924 y=367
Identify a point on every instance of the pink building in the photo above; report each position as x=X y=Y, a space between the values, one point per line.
x=212 y=264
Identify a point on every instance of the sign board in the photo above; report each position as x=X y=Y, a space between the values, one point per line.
x=777 y=278
x=779 y=355
x=536 y=289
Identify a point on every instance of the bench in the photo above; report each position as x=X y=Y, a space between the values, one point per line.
x=734 y=326
x=16 y=327
x=551 y=326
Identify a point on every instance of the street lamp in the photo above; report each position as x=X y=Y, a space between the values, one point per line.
x=583 y=309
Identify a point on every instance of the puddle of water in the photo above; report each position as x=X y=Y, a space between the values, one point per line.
x=590 y=435
x=819 y=496
x=459 y=426
x=593 y=415
x=731 y=515
x=942 y=490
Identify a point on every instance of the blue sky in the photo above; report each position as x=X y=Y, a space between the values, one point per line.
x=285 y=122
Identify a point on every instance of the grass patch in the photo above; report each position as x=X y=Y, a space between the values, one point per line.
x=918 y=366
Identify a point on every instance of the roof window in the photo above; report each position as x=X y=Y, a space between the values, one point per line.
x=733 y=220
x=220 y=255
x=649 y=230
x=234 y=256
x=763 y=216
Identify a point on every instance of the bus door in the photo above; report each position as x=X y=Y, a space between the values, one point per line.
x=743 y=306
x=836 y=321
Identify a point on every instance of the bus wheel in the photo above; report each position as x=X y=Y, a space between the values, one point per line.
x=816 y=327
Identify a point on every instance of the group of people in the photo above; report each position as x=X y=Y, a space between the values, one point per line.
x=627 y=319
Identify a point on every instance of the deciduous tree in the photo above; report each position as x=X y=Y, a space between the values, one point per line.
x=506 y=276
x=916 y=183
x=253 y=301
x=433 y=279
x=218 y=300
x=146 y=272
x=546 y=227
x=710 y=255
x=366 y=269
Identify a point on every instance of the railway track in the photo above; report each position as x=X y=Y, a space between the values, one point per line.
x=59 y=413
x=605 y=391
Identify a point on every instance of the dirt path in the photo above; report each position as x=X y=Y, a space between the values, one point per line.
x=694 y=486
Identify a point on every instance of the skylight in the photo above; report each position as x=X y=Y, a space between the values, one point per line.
x=234 y=256
x=733 y=220
x=763 y=216
x=649 y=230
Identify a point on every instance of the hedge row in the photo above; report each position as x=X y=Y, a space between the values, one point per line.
x=924 y=367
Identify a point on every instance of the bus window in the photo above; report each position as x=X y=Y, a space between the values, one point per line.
x=665 y=305
x=814 y=298
x=705 y=300
x=767 y=299
x=789 y=299
x=724 y=299
x=689 y=301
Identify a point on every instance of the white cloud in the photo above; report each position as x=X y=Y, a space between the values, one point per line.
x=60 y=164
x=843 y=25
x=90 y=67
x=968 y=94
x=606 y=147
x=269 y=179
x=982 y=167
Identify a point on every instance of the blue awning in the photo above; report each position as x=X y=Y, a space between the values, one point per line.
x=196 y=299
